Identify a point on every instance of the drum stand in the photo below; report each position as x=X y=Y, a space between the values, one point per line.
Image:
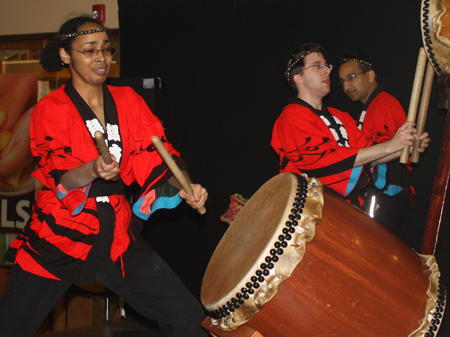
x=439 y=201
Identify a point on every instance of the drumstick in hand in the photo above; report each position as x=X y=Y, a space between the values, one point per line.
x=423 y=110
x=104 y=152
x=414 y=102
x=175 y=169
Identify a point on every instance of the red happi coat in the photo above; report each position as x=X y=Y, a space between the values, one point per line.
x=64 y=225
x=382 y=116
x=305 y=144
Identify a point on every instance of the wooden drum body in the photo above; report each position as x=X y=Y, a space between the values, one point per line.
x=348 y=277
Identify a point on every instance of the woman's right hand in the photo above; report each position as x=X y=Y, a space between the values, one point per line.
x=105 y=171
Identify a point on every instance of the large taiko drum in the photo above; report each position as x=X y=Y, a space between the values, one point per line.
x=300 y=262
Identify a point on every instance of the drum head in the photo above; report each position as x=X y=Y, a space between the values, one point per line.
x=255 y=240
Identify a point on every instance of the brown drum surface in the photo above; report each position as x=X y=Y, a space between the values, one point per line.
x=356 y=278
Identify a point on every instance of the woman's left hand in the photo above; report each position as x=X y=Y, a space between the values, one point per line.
x=199 y=198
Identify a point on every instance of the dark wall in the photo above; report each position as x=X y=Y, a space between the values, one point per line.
x=221 y=63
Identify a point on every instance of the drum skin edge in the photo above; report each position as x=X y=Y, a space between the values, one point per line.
x=288 y=260
x=436 y=33
x=219 y=300
x=436 y=302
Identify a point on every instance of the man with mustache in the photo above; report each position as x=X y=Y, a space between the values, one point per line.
x=381 y=116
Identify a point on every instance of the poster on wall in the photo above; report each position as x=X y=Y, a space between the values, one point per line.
x=18 y=96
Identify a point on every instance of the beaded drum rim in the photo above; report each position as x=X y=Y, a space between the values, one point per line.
x=277 y=261
x=436 y=302
x=436 y=46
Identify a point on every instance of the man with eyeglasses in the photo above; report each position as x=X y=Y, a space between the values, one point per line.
x=324 y=142
x=391 y=189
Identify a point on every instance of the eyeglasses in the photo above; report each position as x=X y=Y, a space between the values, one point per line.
x=94 y=52
x=349 y=78
x=320 y=66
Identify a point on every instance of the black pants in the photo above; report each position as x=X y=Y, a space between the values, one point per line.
x=393 y=211
x=154 y=292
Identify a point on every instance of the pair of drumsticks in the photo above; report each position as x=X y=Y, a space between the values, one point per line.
x=412 y=112
x=104 y=152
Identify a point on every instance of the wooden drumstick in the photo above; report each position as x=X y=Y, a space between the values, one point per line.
x=174 y=169
x=417 y=86
x=423 y=110
x=104 y=152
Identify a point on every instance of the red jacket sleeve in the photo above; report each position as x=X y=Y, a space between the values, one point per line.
x=306 y=145
x=50 y=145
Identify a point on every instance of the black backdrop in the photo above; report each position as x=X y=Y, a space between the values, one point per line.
x=221 y=63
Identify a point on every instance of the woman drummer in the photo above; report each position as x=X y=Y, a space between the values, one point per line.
x=82 y=228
